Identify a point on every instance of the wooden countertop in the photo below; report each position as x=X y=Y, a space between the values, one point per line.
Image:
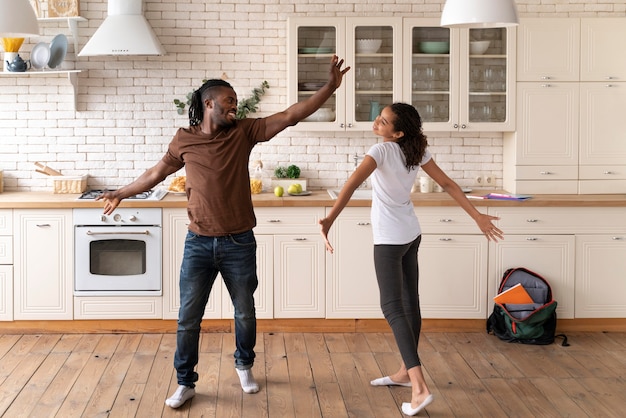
x=318 y=198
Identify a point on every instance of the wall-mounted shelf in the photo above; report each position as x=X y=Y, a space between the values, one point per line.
x=72 y=76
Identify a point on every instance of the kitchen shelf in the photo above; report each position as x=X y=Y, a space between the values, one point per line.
x=72 y=76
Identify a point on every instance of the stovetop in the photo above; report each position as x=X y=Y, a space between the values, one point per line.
x=156 y=194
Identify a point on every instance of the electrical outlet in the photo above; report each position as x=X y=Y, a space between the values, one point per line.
x=479 y=180
x=484 y=179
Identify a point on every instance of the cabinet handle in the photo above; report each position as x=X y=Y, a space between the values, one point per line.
x=545 y=173
x=299 y=239
x=531 y=239
x=43 y=225
x=362 y=223
x=610 y=77
x=342 y=125
x=445 y=239
x=608 y=172
x=610 y=85
x=617 y=238
x=532 y=220
x=273 y=221
x=463 y=126
x=546 y=77
x=455 y=126
x=445 y=220
x=349 y=125
x=546 y=85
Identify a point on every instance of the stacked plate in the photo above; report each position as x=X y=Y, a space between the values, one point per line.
x=51 y=56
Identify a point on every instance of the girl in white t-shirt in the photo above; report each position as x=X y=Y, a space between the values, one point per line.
x=393 y=166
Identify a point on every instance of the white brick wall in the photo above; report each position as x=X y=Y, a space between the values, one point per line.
x=126 y=116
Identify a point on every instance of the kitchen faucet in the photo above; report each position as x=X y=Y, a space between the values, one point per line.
x=356 y=158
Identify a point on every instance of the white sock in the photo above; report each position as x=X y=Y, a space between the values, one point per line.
x=248 y=384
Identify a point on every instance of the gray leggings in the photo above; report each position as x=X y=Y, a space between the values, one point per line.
x=397 y=273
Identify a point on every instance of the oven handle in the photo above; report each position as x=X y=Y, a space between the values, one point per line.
x=146 y=232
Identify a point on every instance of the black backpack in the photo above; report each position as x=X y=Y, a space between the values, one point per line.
x=533 y=323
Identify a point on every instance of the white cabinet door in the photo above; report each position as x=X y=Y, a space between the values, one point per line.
x=6 y=293
x=299 y=276
x=352 y=289
x=44 y=268
x=602 y=139
x=548 y=50
x=542 y=155
x=372 y=83
x=603 y=41
x=175 y=225
x=458 y=90
x=452 y=276
x=551 y=256
x=600 y=268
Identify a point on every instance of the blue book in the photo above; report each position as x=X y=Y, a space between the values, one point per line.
x=501 y=196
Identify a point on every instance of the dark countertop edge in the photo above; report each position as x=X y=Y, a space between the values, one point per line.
x=318 y=198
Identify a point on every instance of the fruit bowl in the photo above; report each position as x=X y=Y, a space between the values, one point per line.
x=368 y=46
x=479 y=47
x=434 y=47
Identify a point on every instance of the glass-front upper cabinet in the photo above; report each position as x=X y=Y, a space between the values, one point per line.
x=460 y=79
x=371 y=47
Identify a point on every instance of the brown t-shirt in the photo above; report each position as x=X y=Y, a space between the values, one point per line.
x=218 y=180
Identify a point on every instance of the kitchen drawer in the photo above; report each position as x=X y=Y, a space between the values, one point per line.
x=288 y=220
x=543 y=187
x=444 y=220
x=535 y=220
x=6 y=222
x=6 y=249
x=602 y=172
x=546 y=172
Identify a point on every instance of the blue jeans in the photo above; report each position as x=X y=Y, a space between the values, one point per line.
x=234 y=256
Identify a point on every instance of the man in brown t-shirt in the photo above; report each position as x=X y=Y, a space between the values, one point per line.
x=215 y=150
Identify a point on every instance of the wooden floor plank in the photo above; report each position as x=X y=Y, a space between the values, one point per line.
x=354 y=395
x=559 y=399
x=304 y=394
x=380 y=398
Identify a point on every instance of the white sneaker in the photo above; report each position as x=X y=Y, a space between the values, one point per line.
x=182 y=395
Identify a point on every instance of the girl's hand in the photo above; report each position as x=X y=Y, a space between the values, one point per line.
x=492 y=232
x=325 y=227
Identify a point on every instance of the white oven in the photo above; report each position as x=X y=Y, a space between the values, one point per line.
x=117 y=254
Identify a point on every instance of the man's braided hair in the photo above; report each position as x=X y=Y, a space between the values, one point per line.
x=196 y=107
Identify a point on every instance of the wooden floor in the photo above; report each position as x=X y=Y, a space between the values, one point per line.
x=311 y=375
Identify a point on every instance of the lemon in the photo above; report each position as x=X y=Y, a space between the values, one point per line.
x=278 y=191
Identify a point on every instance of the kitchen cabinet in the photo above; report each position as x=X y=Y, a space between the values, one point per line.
x=43 y=264
x=299 y=278
x=600 y=267
x=6 y=265
x=452 y=265
x=602 y=141
x=570 y=94
x=539 y=239
x=352 y=289
x=459 y=89
x=372 y=82
x=542 y=155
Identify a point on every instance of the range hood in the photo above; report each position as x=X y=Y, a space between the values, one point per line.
x=125 y=31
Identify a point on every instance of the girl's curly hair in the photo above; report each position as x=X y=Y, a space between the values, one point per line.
x=196 y=107
x=413 y=144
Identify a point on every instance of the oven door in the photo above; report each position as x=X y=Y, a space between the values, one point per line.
x=116 y=260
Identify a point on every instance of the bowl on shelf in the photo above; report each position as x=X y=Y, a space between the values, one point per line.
x=434 y=47
x=323 y=114
x=368 y=46
x=479 y=47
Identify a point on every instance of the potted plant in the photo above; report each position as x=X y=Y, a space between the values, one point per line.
x=286 y=176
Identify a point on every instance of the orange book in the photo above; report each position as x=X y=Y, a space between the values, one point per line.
x=515 y=294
